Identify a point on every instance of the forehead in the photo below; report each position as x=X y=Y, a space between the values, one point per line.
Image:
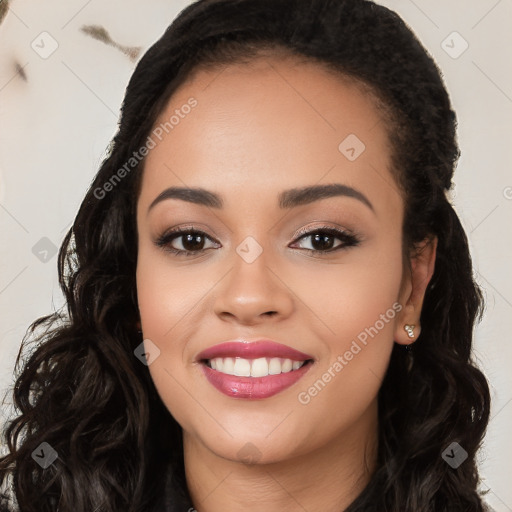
x=268 y=125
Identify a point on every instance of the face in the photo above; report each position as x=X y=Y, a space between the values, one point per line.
x=320 y=273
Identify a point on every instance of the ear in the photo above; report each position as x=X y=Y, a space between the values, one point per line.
x=417 y=274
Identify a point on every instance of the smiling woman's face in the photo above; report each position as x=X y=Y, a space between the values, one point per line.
x=258 y=133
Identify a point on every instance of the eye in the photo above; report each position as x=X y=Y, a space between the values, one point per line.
x=192 y=241
x=323 y=238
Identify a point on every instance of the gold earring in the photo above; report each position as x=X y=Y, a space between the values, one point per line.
x=410 y=330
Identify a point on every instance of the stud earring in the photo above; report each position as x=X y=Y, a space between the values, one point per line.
x=410 y=330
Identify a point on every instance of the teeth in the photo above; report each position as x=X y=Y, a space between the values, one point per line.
x=242 y=367
x=274 y=366
x=260 y=367
x=229 y=365
x=286 y=366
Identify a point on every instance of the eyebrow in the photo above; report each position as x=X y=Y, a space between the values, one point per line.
x=286 y=199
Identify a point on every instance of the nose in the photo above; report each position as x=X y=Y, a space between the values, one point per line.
x=253 y=293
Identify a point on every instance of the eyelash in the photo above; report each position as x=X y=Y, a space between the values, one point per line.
x=349 y=239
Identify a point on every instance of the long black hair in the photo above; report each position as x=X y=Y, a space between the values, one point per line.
x=81 y=389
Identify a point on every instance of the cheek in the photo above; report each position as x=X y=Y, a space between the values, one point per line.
x=166 y=293
x=165 y=297
x=358 y=306
x=348 y=297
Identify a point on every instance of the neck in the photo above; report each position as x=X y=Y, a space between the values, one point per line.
x=328 y=478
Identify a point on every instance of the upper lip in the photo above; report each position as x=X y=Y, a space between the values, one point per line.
x=252 y=350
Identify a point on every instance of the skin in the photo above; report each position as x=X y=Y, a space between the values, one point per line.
x=259 y=129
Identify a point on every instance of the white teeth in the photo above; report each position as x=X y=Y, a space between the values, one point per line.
x=229 y=365
x=242 y=367
x=286 y=366
x=260 y=367
x=274 y=367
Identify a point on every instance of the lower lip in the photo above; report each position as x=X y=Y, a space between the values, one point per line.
x=253 y=387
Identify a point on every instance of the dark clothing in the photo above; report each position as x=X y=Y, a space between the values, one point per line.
x=175 y=496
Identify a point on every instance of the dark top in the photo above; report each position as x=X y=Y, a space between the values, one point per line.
x=175 y=496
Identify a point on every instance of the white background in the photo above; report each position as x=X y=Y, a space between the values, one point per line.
x=55 y=127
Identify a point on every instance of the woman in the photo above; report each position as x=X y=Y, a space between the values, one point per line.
x=270 y=299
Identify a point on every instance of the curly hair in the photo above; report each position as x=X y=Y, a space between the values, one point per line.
x=79 y=386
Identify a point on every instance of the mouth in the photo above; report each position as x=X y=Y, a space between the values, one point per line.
x=260 y=367
x=253 y=370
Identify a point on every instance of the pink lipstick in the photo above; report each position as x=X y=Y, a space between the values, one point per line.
x=253 y=370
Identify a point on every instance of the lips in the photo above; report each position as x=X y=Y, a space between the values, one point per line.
x=235 y=367
x=253 y=350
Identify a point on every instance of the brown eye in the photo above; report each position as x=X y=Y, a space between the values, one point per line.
x=183 y=242
x=323 y=239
